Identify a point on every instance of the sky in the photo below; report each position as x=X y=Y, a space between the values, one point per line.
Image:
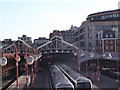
x=38 y=18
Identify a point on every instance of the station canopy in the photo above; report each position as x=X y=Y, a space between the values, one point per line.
x=58 y=45
x=22 y=47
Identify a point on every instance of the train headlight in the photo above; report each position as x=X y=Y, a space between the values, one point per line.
x=3 y=61
x=49 y=63
x=30 y=60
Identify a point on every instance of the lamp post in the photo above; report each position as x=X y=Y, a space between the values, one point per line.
x=98 y=69
x=76 y=54
x=82 y=54
x=17 y=58
x=35 y=65
x=100 y=36
x=87 y=75
x=29 y=61
x=34 y=69
x=78 y=61
x=92 y=55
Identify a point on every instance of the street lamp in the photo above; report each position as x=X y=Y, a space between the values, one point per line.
x=92 y=55
x=87 y=74
x=35 y=58
x=17 y=58
x=30 y=60
x=78 y=57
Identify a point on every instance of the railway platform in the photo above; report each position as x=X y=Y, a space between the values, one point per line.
x=22 y=83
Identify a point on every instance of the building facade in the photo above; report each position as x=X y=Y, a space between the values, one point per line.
x=87 y=36
x=26 y=39
x=67 y=35
x=6 y=42
x=55 y=33
x=40 y=41
x=109 y=42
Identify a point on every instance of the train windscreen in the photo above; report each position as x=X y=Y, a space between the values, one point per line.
x=84 y=85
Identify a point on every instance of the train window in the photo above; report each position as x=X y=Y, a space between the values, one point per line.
x=87 y=85
x=80 y=85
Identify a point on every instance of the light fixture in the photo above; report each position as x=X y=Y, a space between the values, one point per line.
x=75 y=53
x=91 y=54
x=103 y=55
x=67 y=51
x=107 y=55
x=30 y=60
x=82 y=53
x=3 y=61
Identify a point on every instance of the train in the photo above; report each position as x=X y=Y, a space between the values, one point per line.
x=59 y=80
x=79 y=81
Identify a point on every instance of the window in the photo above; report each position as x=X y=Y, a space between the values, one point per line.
x=114 y=15
x=82 y=44
x=89 y=28
x=118 y=42
x=111 y=35
x=106 y=16
x=107 y=47
x=89 y=35
x=82 y=36
x=89 y=43
x=107 y=42
x=111 y=42
x=106 y=35
x=111 y=47
x=103 y=17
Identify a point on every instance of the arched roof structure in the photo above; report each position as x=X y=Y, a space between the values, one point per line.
x=58 y=45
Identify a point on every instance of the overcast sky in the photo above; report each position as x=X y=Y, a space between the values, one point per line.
x=37 y=18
